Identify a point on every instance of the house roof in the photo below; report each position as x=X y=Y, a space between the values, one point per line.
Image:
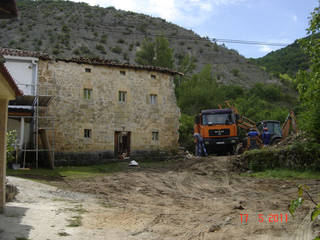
x=23 y=53
x=104 y=62
x=8 y=9
x=80 y=60
x=8 y=78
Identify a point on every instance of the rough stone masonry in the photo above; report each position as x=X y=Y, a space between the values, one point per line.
x=89 y=107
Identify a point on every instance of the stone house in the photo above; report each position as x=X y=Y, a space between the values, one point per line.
x=100 y=109
x=104 y=110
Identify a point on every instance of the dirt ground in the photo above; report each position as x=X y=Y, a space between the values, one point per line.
x=193 y=199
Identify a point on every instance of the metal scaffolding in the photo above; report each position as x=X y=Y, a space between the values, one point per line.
x=42 y=122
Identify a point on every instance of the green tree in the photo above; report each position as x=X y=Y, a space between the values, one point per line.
x=308 y=83
x=146 y=55
x=156 y=53
x=164 y=54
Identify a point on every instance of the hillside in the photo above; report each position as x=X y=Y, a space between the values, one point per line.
x=285 y=60
x=67 y=29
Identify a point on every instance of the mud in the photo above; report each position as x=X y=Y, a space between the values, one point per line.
x=195 y=199
x=188 y=199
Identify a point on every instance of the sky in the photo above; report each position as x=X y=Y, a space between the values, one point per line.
x=276 y=21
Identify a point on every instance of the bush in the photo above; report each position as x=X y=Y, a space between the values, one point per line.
x=186 y=132
x=65 y=28
x=11 y=140
x=298 y=156
x=121 y=41
x=117 y=49
x=101 y=48
x=235 y=72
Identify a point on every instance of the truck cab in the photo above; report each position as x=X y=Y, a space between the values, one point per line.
x=219 y=130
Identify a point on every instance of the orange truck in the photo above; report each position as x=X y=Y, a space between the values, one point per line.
x=218 y=127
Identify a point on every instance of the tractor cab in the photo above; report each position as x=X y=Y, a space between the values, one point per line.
x=274 y=129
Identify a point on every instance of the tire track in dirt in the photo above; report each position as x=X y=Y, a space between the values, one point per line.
x=196 y=199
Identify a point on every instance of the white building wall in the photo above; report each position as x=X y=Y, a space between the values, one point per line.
x=24 y=72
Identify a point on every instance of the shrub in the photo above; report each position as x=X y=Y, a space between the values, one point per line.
x=65 y=28
x=84 y=49
x=12 y=42
x=235 y=72
x=101 y=48
x=186 y=132
x=76 y=51
x=298 y=156
x=121 y=41
x=103 y=38
x=125 y=56
x=55 y=51
x=116 y=49
x=11 y=140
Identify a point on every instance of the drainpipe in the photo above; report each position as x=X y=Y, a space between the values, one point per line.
x=35 y=76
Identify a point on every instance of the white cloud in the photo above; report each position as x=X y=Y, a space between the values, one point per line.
x=295 y=18
x=267 y=48
x=185 y=12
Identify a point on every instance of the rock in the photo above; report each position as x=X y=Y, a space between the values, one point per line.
x=228 y=220
x=239 y=207
x=214 y=228
x=11 y=192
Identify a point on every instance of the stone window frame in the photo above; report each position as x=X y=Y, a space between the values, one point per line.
x=155 y=136
x=122 y=96
x=153 y=99
x=122 y=72
x=153 y=76
x=87 y=70
x=87 y=133
x=87 y=93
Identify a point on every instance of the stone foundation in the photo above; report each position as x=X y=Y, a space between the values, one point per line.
x=11 y=192
x=95 y=158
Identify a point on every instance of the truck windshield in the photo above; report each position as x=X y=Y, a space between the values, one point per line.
x=212 y=119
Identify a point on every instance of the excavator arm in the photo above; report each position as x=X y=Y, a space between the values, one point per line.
x=290 y=121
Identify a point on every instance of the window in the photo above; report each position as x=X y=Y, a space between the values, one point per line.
x=218 y=118
x=155 y=136
x=88 y=70
x=153 y=76
x=122 y=96
x=153 y=99
x=87 y=93
x=87 y=133
x=123 y=72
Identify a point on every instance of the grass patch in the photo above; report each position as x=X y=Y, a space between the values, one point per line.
x=284 y=174
x=106 y=204
x=75 y=221
x=60 y=173
x=63 y=234
x=78 y=209
x=69 y=172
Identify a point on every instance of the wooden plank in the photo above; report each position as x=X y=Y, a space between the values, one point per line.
x=46 y=145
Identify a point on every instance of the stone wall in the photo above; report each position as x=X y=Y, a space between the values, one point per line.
x=103 y=113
